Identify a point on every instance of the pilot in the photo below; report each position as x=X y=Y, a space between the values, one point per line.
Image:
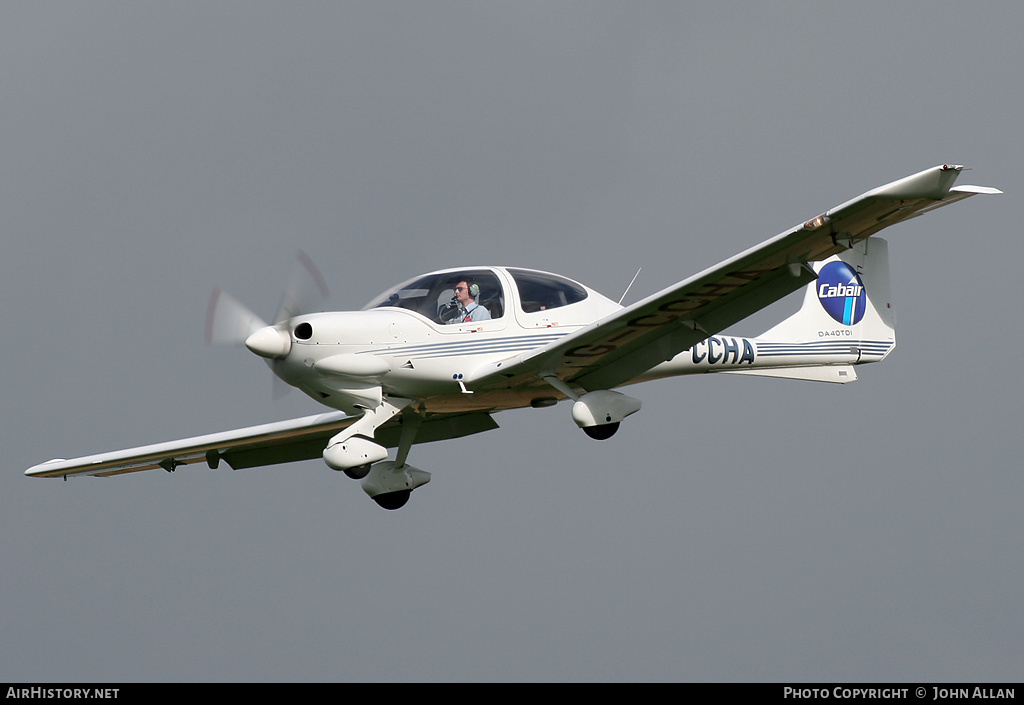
x=469 y=310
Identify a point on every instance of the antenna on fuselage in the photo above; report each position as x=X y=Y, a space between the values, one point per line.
x=628 y=287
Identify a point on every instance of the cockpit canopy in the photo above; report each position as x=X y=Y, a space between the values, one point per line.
x=540 y=291
x=431 y=295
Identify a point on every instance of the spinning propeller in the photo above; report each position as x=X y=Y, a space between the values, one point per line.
x=230 y=322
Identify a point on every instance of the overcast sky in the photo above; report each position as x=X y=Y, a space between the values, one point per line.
x=735 y=529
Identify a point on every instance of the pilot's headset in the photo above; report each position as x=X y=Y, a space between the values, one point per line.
x=474 y=289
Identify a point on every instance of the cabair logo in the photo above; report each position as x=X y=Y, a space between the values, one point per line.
x=841 y=293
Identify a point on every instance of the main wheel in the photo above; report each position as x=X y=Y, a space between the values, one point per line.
x=358 y=472
x=602 y=432
x=393 y=500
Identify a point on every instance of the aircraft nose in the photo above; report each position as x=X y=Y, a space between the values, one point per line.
x=269 y=342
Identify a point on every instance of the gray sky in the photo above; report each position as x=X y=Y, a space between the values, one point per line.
x=735 y=529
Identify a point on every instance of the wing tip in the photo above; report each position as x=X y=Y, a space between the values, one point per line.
x=42 y=468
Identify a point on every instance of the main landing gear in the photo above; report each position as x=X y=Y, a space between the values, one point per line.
x=598 y=413
x=601 y=432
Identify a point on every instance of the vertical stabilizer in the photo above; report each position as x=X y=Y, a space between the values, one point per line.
x=847 y=308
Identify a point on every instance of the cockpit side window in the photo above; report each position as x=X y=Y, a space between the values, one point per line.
x=539 y=291
x=430 y=295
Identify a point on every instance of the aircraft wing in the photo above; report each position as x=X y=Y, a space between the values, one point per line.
x=267 y=444
x=627 y=343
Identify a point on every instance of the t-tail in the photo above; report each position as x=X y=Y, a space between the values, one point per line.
x=846 y=318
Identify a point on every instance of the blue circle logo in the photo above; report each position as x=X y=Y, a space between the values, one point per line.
x=841 y=293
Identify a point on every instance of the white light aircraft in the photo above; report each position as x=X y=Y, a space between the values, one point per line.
x=434 y=357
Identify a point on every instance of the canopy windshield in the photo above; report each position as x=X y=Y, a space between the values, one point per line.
x=431 y=294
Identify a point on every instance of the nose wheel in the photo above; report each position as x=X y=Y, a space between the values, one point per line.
x=389 y=483
x=393 y=500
